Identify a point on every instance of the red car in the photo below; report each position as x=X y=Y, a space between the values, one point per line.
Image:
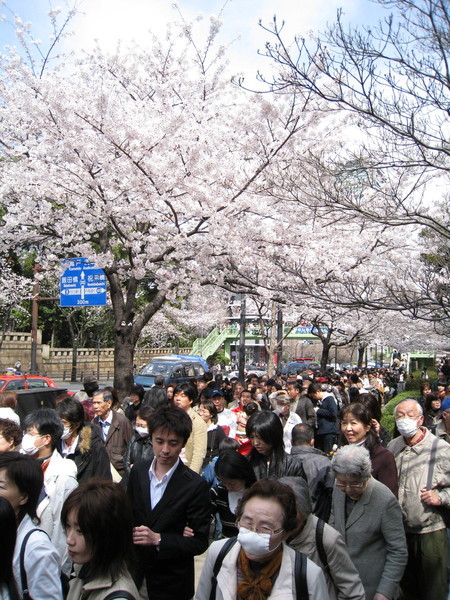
x=24 y=382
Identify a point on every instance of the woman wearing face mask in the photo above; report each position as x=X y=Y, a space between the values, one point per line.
x=235 y=475
x=282 y=407
x=357 y=427
x=81 y=442
x=140 y=446
x=268 y=457
x=258 y=565
x=369 y=518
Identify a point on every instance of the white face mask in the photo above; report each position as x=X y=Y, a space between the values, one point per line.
x=254 y=543
x=407 y=427
x=142 y=431
x=28 y=446
x=66 y=433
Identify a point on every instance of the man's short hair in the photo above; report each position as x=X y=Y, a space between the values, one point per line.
x=106 y=394
x=170 y=419
x=47 y=422
x=418 y=405
x=295 y=385
x=302 y=434
x=159 y=380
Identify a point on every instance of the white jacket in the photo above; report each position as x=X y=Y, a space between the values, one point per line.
x=42 y=564
x=60 y=478
x=291 y=422
x=283 y=588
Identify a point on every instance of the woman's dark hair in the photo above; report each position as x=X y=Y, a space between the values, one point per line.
x=425 y=385
x=61 y=397
x=138 y=390
x=115 y=402
x=270 y=489
x=71 y=410
x=361 y=413
x=11 y=431
x=228 y=444
x=105 y=518
x=145 y=412
x=188 y=389
x=353 y=394
x=171 y=419
x=372 y=404
x=429 y=399
x=47 y=422
x=8 y=527
x=26 y=473
x=251 y=408
x=267 y=426
x=8 y=399
x=209 y=405
x=232 y=465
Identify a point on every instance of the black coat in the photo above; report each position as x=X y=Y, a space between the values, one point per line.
x=138 y=448
x=90 y=455
x=169 y=570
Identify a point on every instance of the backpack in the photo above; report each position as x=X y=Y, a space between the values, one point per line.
x=301 y=583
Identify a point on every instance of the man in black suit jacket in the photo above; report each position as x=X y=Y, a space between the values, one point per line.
x=166 y=496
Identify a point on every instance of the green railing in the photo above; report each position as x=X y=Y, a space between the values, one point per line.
x=207 y=346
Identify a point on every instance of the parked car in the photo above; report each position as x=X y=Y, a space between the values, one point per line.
x=24 y=382
x=299 y=365
x=175 y=368
x=260 y=371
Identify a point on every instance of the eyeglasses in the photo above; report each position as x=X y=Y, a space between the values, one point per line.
x=260 y=529
x=203 y=411
x=351 y=486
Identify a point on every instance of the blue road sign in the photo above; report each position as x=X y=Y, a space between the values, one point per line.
x=82 y=284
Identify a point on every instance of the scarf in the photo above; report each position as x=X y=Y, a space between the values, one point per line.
x=257 y=586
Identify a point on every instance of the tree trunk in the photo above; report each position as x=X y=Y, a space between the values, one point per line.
x=325 y=354
x=123 y=361
x=361 y=356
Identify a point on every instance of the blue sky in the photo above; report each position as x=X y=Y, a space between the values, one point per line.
x=110 y=20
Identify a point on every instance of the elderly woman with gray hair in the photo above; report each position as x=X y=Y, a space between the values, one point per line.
x=324 y=546
x=368 y=516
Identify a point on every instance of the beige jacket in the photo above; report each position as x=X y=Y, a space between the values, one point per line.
x=98 y=589
x=412 y=465
x=196 y=445
x=283 y=588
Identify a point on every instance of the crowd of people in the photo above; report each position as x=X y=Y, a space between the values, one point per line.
x=291 y=483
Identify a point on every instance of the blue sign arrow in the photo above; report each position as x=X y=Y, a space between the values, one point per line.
x=82 y=284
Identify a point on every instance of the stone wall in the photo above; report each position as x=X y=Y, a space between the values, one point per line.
x=57 y=362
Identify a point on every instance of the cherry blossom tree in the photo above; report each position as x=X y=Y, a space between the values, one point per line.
x=142 y=161
x=389 y=86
